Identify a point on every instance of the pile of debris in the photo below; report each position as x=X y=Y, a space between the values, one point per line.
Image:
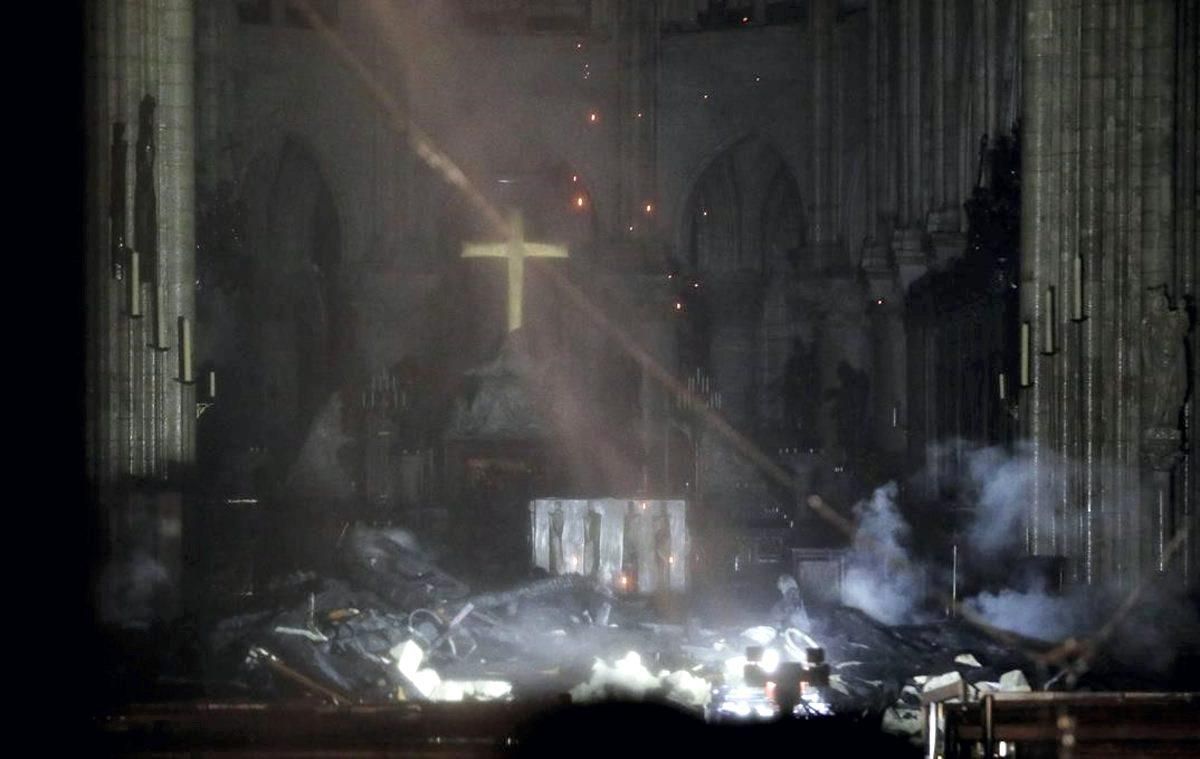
x=392 y=626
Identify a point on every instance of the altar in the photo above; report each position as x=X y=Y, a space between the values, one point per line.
x=630 y=545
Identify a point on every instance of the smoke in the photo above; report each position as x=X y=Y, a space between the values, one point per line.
x=881 y=578
x=995 y=487
x=131 y=591
x=999 y=486
x=1033 y=613
x=1145 y=638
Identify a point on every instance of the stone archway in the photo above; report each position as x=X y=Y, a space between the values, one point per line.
x=744 y=231
x=296 y=327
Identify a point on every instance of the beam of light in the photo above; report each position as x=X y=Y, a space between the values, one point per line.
x=421 y=143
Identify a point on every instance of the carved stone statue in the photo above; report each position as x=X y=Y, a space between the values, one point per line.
x=800 y=381
x=1164 y=362
x=850 y=404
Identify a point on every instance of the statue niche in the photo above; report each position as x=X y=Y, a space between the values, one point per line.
x=1165 y=378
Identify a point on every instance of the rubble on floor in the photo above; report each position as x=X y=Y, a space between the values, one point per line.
x=395 y=627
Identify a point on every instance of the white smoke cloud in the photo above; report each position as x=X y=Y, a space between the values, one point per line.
x=1033 y=613
x=1000 y=486
x=881 y=578
x=130 y=590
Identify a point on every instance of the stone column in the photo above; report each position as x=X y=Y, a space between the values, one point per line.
x=140 y=418
x=1099 y=103
x=913 y=98
x=638 y=37
x=1041 y=221
x=875 y=116
x=823 y=190
x=889 y=378
x=883 y=157
x=1187 y=224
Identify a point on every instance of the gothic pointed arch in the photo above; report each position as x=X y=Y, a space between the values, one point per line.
x=293 y=328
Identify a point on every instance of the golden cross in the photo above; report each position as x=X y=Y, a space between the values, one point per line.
x=516 y=250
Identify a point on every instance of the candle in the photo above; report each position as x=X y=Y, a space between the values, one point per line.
x=212 y=384
x=185 y=350
x=1048 y=321
x=1003 y=383
x=1077 y=289
x=1025 y=358
x=895 y=416
x=160 y=323
x=135 y=285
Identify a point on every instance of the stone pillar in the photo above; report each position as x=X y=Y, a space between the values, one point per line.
x=889 y=377
x=882 y=154
x=1187 y=225
x=1099 y=103
x=140 y=418
x=822 y=215
x=875 y=118
x=638 y=37
x=912 y=174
